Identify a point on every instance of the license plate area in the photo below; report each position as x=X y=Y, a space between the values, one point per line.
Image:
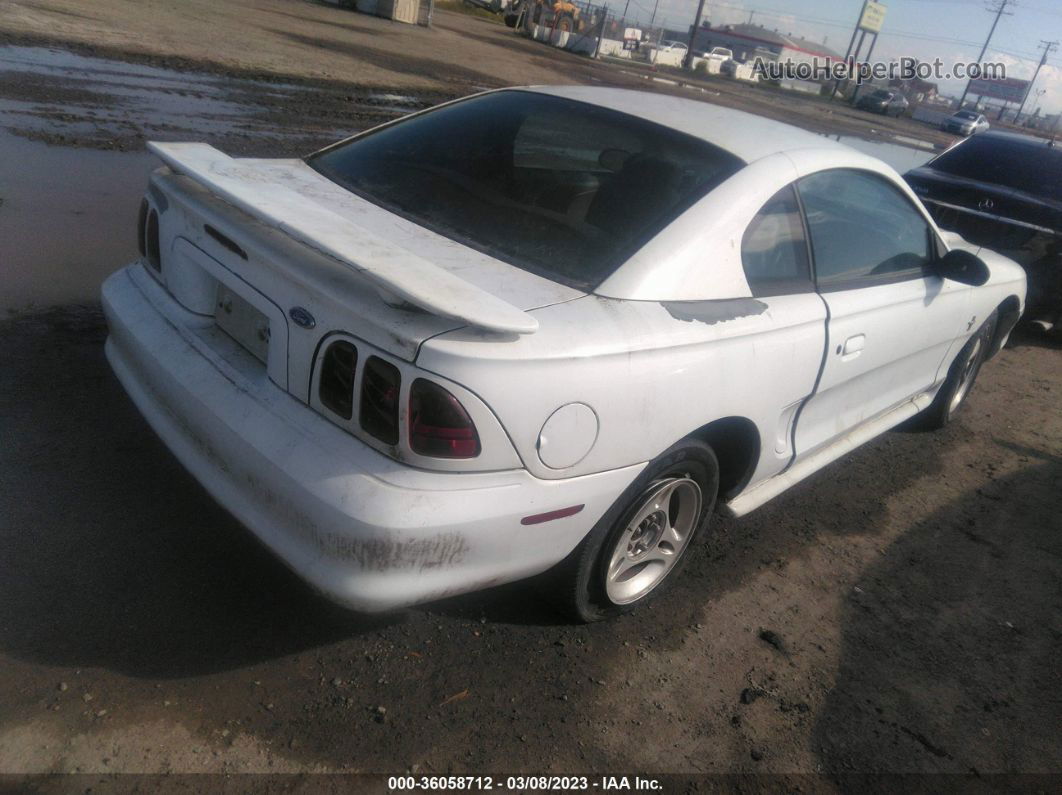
x=241 y=321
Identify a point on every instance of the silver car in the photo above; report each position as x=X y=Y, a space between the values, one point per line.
x=965 y=122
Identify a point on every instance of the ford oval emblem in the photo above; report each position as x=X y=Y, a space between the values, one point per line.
x=302 y=317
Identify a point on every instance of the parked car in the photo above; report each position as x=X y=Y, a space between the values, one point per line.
x=730 y=67
x=965 y=122
x=721 y=54
x=1004 y=191
x=537 y=330
x=677 y=46
x=889 y=103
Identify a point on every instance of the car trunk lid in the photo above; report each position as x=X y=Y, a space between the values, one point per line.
x=237 y=234
x=306 y=206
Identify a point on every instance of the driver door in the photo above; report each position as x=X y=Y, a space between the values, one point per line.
x=891 y=319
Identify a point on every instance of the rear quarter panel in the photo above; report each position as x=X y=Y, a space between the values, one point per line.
x=652 y=373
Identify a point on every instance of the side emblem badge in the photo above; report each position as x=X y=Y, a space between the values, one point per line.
x=302 y=317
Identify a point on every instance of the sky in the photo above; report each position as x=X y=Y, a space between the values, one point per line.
x=953 y=30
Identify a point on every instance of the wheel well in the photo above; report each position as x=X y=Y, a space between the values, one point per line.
x=736 y=443
x=1009 y=311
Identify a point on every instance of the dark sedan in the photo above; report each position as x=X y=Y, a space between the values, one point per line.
x=890 y=103
x=1004 y=191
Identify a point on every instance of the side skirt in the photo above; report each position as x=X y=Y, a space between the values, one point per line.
x=753 y=498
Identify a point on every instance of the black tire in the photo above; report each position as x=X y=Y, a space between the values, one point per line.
x=961 y=377
x=578 y=584
x=565 y=23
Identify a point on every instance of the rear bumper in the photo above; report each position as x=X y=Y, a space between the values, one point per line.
x=367 y=531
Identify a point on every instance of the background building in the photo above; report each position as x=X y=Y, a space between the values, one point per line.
x=750 y=41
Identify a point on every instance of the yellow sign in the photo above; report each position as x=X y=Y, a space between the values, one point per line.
x=873 y=17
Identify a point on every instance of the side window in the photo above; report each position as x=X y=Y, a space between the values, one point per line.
x=774 y=251
x=862 y=228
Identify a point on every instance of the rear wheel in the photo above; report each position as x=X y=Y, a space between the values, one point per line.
x=956 y=387
x=640 y=545
x=566 y=23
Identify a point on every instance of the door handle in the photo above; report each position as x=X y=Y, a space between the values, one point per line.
x=853 y=346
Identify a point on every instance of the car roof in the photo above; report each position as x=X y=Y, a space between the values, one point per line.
x=748 y=136
x=1032 y=141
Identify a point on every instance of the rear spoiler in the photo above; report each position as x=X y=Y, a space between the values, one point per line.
x=397 y=271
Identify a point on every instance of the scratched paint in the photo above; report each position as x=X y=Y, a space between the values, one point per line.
x=712 y=312
x=444 y=550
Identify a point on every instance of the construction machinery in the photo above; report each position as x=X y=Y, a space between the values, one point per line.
x=560 y=14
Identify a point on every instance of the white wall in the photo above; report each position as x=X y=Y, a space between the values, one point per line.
x=564 y=40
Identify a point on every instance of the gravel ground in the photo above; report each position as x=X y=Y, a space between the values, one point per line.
x=897 y=613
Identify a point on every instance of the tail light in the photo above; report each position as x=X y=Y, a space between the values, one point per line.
x=336 y=386
x=380 y=384
x=439 y=426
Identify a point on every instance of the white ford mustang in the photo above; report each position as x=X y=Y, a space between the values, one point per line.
x=537 y=329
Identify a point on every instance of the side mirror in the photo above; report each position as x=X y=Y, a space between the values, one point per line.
x=963 y=267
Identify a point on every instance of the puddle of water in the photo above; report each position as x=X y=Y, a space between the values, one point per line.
x=396 y=99
x=99 y=98
x=161 y=95
x=68 y=219
x=68 y=215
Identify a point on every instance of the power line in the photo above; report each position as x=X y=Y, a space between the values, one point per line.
x=1000 y=9
x=888 y=32
x=846 y=26
x=1048 y=46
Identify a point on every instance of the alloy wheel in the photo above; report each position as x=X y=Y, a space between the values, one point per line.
x=654 y=539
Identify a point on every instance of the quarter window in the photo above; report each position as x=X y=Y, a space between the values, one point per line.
x=862 y=228
x=774 y=251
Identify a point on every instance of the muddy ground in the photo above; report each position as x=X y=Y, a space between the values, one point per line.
x=338 y=51
x=900 y=612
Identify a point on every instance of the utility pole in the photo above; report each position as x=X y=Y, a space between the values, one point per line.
x=848 y=53
x=688 y=58
x=1049 y=47
x=999 y=8
x=653 y=17
x=873 y=41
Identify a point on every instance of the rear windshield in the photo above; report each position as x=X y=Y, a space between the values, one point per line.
x=561 y=188
x=882 y=95
x=1029 y=167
